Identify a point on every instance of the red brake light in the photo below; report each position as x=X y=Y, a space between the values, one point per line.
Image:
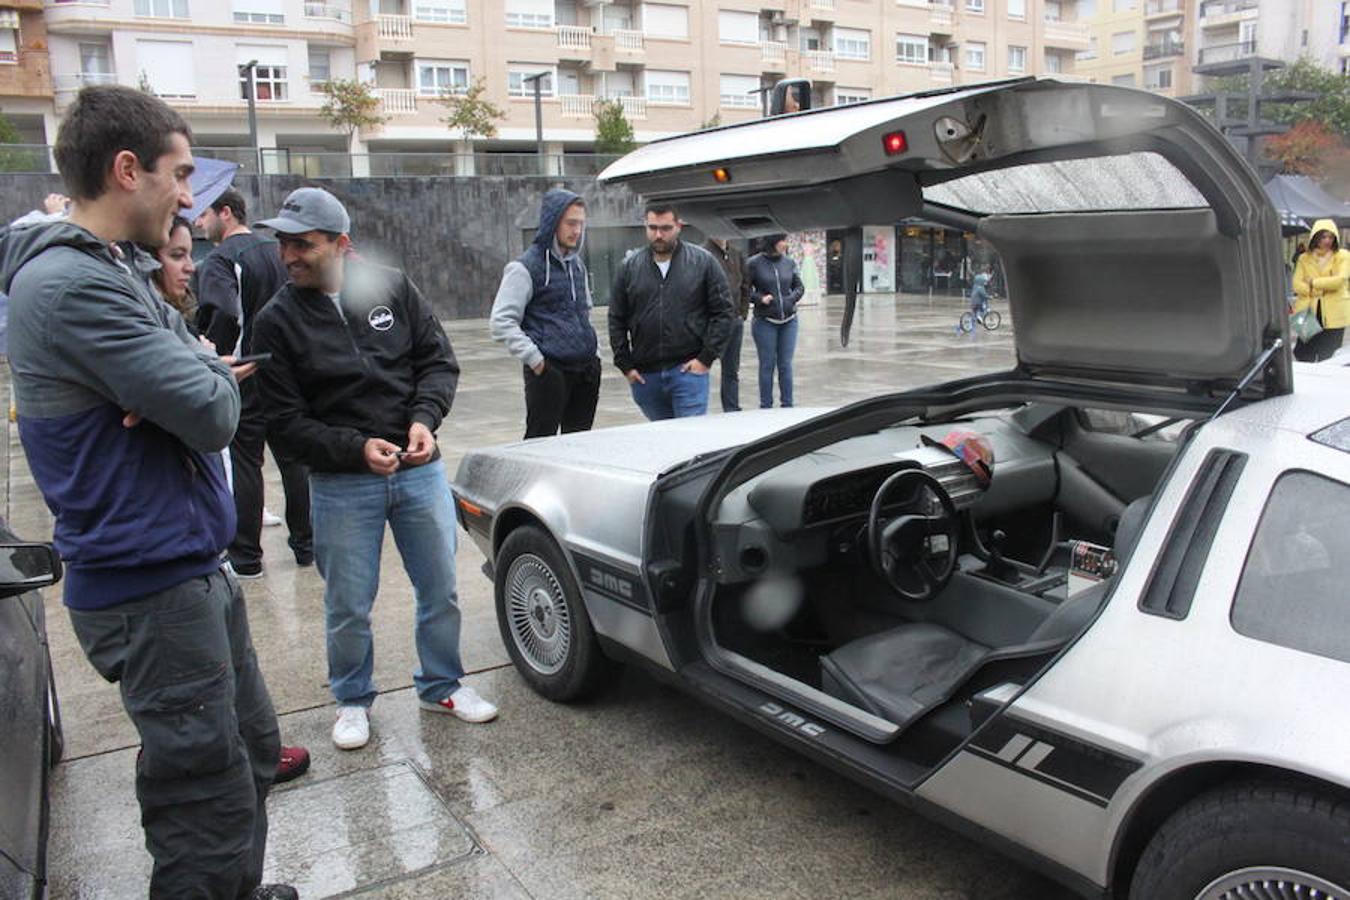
x=894 y=143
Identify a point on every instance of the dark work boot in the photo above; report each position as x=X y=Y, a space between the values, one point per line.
x=274 y=892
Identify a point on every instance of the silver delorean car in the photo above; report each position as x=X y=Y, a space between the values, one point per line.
x=1125 y=659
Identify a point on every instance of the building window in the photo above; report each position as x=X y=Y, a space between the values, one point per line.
x=259 y=12
x=517 y=86
x=740 y=91
x=1126 y=80
x=1122 y=42
x=9 y=43
x=450 y=12
x=911 y=48
x=852 y=43
x=96 y=64
x=1017 y=59
x=269 y=83
x=1054 y=63
x=320 y=67
x=162 y=9
x=1054 y=11
x=1017 y=9
x=737 y=27
x=1090 y=52
x=664 y=20
x=1124 y=5
x=437 y=77
x=843 y=96
x=167 y=68
x=975 y=6
x=667 y=87
x=529 y=13
x=975 y=55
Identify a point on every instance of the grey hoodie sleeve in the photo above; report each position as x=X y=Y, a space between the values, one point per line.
x=513 y=295
x=126 y=354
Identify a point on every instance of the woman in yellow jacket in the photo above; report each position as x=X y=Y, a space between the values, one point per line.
x=1322 y=283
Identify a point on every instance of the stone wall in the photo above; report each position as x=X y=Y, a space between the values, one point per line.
x=451 y=235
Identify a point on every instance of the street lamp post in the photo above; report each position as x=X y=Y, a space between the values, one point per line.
x=536 y=79
x=247 y=71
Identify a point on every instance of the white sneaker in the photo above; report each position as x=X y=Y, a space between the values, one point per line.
x=270 y=519
x=352 y=728
x=464 y=704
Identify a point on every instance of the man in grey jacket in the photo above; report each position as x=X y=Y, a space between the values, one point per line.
x=542 y=314
x=122 y=414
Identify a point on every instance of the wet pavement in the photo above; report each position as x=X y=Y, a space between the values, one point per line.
x=641 y=793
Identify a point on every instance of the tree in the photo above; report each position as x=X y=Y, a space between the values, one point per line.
x=1308 y=148
x=613 y=133
x=18 y=160
x=349 y=105
x=470 y=113
x=1331 y=106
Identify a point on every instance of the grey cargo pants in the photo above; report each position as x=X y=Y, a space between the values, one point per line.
x=189 y=679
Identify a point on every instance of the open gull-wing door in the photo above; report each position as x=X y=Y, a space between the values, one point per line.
x=1139 y=248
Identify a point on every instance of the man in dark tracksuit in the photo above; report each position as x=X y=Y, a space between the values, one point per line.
x=542 y=314
x=233 y=284
x=360 y=378
x=669 y=318
x=733 y=266
x=122 y=413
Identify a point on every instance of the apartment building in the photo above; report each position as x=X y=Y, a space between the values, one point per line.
x=25 y=73
x=1139 y=43
x=1232 y=30
x=674 y=66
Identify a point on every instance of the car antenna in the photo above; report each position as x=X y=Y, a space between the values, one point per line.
x=1249 y=377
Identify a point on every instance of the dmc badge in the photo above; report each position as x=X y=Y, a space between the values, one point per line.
x=381 y=318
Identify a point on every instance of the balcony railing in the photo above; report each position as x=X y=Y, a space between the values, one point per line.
x=328 y=11
x=941 y=71
x=398 y=101
x=77 y=80
x=1216 y=8
x=822 y=4
x=574 y=37
x=940 y=14
x=1227 y=52
x=633 y=107
x=1159 y=7
x=628 y=40
x=1164 y=48
x=820 y=60
x=577 y=106
x=773 y=51
x=1067 y=34
x=394 y=28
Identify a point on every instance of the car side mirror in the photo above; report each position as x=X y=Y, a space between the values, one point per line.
x=24 y=567
x=790 y=95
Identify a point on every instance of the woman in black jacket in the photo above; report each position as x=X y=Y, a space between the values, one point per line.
x=775 y=288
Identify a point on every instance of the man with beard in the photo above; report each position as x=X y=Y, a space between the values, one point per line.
x=669 y=319
x=235 y=282
x=361 y=376
x=122 y=413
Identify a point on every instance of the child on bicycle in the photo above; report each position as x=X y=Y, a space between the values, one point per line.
x=979 y=292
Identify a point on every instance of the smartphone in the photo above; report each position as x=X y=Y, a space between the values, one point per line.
x=259 y=358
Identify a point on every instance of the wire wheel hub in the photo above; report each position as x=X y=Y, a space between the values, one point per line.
x=1271 y=883
x=541 y=624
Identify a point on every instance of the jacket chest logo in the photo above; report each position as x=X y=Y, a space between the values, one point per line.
x=381 y=318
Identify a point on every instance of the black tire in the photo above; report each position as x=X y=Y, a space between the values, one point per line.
x=1278 y=833
x=966 y=323
x=56 y=735
x=992 y=320
x=543 y=620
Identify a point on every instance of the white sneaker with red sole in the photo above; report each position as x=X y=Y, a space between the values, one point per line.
x=463 y=704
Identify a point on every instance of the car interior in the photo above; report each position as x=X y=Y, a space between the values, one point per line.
x=880 y=572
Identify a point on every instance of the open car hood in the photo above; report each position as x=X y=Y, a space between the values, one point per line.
x=1139 y=247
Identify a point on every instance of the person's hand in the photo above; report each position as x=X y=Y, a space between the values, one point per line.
x=131 y=420
x=381 y=456
x=55 y=203
x=634 y=377
x=206 y=343
x=421 y=444
x=240 y=372
x=694 y=367
x=538 y=368
x=767 y=298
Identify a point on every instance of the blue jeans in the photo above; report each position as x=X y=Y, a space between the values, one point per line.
x=349 y=514
x=775 y=345
x=671 y=394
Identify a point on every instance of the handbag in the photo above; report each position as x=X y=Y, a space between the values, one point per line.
x=1304 y=325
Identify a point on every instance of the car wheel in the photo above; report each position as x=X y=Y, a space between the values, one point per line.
x=56 y=735
x=1254 y=840
x=543 y=620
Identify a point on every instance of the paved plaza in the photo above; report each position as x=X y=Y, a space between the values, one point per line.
x=640 y=793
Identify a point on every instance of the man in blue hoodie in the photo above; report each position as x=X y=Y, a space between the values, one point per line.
x=542 y=315
x=122 y=414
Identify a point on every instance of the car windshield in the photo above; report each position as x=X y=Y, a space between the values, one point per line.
x=1128 y=181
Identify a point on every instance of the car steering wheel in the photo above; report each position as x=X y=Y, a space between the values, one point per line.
x=902 y=550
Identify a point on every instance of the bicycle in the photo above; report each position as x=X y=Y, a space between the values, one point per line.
x=989 y=318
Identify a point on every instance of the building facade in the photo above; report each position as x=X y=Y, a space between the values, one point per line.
x=25 y=71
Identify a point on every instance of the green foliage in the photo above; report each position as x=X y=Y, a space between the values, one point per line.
x=15 y=159
x=1331 y=108
x=349 y=104
x=472 y=114
x=714 y=122
x=143 y=83
x=613 y=132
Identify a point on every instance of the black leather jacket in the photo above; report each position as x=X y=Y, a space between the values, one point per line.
x=656 y=323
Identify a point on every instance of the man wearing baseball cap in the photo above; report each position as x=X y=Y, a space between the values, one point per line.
x=361 y=376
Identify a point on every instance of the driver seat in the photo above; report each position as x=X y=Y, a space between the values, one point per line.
x=902 y=674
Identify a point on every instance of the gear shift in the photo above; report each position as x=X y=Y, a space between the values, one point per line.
x=997 y=567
